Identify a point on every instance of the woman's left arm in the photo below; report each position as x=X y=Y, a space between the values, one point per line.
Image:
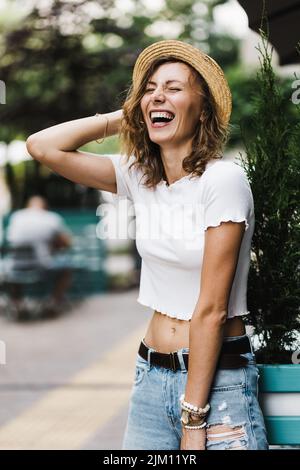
x=221 y=251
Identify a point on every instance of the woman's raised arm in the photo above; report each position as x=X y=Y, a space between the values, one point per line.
x=56 y=147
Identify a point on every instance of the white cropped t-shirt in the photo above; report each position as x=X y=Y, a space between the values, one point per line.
x=170 y=225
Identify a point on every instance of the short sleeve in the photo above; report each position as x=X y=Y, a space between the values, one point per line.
x=124 y=177
x=227 y=195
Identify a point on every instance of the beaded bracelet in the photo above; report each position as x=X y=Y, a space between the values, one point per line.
x=200 y=426
x=106 y=127
x=194 y=409
x=193 y=413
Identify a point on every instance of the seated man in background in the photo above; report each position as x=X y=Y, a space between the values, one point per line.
x=46 y=233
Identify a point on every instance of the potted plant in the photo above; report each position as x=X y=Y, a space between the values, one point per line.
x=272 y=147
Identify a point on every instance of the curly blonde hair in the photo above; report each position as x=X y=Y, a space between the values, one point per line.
x=208 y=142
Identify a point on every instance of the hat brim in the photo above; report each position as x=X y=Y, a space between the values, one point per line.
x=203 y=63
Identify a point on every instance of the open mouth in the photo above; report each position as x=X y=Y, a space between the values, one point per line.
x=161 y=119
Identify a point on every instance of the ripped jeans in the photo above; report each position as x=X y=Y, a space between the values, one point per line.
x=235 y=420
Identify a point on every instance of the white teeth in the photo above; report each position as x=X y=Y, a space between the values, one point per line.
x=156 y=114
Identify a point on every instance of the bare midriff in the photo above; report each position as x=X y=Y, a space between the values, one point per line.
x=166 y=334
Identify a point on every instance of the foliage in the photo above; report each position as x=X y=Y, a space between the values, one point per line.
x=273 y=149
x=61 y=63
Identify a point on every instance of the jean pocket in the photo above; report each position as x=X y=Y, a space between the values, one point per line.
x=226 y=380
x=140 y=371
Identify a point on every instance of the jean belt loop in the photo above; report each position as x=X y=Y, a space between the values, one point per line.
x=150 y=350
x=251 y=345
x=181 y=361
x=149 y=358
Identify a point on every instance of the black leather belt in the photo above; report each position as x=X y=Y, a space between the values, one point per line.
x=230 y=355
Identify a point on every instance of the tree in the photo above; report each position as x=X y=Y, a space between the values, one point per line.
x=63 y=64
x=272 y=151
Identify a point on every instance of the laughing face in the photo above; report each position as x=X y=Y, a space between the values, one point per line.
x=171 y=104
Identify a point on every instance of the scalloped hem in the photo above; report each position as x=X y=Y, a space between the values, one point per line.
x=175 y=315
x=230 y=219
x=239 y=314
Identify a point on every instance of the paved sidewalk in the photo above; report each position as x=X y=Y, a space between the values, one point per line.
x=66 y=382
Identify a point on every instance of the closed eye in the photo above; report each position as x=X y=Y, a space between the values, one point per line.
x=173 y=89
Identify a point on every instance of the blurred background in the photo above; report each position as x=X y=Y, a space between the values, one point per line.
x=69 y=330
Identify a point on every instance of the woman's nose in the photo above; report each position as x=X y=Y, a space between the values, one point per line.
x=158 y=95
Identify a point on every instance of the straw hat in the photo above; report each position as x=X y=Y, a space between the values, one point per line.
x=204 y=64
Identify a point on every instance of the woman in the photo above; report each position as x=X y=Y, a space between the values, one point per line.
x=195 y=383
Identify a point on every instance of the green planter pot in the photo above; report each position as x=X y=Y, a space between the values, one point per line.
x=279 y=397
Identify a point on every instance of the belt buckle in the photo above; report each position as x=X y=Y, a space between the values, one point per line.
x=173 y=363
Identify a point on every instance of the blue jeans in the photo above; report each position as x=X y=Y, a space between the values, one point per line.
x=154 y=410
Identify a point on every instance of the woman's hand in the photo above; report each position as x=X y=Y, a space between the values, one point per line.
x=193 y=439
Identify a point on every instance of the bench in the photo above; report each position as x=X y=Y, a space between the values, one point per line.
x=279 y=397
x=87 y=254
